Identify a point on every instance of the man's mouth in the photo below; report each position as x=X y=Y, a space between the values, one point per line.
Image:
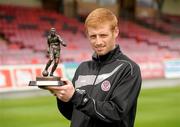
x=100 y=48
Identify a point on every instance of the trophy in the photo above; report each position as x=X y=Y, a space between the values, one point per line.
x=54 y=42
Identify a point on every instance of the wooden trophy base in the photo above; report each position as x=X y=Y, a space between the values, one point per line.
x=47 y=81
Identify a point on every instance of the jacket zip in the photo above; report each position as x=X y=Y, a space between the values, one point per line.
x=99 y=68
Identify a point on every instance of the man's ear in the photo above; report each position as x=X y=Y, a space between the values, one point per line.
x=86 y=33
x=116 y=31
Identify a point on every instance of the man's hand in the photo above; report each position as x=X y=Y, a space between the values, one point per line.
x=65 y=92
x=64 y=45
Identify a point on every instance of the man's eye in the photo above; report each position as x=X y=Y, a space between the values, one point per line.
x=103 y=35
x=93 y=37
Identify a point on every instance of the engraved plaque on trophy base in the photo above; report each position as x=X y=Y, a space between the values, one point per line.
x=46 y=81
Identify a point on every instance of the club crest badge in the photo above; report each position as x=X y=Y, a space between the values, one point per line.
x=105 y=86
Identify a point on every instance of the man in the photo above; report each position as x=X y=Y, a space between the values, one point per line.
x=54 y=42
x=104 y=91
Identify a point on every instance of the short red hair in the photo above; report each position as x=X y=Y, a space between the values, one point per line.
x=101 y=16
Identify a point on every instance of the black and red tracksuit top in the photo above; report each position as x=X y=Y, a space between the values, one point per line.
x=107 y=88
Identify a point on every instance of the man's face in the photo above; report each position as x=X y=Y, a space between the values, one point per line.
x=102 y=38
x=52 y=33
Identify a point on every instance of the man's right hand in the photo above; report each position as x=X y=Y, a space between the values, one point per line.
x=64 y=93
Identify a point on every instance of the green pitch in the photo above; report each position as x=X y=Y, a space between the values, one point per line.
x=156 y=108
x=159 y=108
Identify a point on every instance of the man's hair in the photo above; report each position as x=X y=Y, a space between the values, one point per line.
x=53 y=29
x=101 y=16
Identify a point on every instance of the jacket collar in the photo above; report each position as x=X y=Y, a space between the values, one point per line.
x=109 y=57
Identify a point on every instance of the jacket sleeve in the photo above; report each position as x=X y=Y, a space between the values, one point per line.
x=123 y=97
x=65 y=108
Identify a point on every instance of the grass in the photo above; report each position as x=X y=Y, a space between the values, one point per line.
x=31 y=112
x=157 y=107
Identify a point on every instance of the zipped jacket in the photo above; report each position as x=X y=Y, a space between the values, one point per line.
x=107 y=88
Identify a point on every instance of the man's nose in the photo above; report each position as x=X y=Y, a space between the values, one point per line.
x=98 y=40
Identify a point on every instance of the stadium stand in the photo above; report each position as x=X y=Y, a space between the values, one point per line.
x=24 y=32
x=166 y=24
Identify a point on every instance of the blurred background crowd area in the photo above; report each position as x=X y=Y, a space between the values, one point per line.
x=149 y=34
x=149 y=29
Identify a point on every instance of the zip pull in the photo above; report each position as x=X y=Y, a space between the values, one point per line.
x=99 y=61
